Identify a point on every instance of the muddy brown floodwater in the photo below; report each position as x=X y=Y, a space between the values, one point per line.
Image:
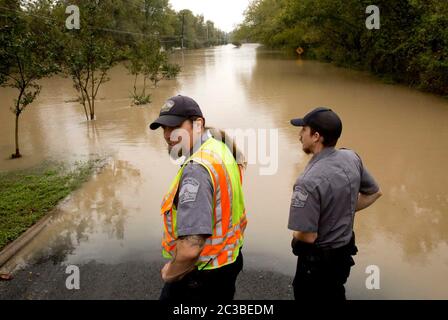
x=400 y=133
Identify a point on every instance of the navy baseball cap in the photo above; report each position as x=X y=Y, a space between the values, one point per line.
x=323 y=120
x=176 y=110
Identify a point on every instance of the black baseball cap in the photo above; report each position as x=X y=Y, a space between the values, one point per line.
x=176 y=110
x=323 y=120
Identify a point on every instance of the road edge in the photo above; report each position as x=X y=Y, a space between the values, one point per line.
x=18 y=244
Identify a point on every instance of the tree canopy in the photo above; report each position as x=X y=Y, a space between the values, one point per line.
x=410 y=46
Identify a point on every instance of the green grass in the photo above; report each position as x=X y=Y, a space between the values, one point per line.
x=26 y=196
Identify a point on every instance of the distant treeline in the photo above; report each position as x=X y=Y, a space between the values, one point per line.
x=411 y=45
x=124 y=20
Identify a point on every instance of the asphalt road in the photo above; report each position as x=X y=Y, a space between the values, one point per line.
x=131 y=280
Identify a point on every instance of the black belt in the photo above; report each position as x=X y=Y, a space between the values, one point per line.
x=350 y=248
x=312 y=252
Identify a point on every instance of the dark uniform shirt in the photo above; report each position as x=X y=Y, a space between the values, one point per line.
x=325 y=196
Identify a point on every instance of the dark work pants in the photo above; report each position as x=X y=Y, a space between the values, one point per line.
x=206 y=285
x=318 y=278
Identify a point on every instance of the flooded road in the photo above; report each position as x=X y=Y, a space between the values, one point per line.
x=400 y=133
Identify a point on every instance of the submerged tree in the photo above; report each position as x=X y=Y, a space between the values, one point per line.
x=146 y=57
x=161 y=68
x=26 y=54
x=90 y=52
x=148 y=61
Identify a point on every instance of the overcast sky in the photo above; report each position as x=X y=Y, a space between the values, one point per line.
x=226 y=14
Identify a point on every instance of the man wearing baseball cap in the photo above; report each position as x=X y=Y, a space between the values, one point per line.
x=203 y=210
x=333 y=186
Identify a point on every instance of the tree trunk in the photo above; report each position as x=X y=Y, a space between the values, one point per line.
x=85 y=110
x=135 y=85
x=92 y=109
x=83 y=102
x=17 y=154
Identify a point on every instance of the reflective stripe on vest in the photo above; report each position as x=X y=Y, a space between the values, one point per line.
x=229 y=220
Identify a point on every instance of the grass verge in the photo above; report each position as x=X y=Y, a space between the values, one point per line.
x=28 y=195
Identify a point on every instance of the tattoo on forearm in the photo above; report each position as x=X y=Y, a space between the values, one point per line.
x=194 y=240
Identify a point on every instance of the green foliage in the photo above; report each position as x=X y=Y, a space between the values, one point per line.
x=141 y=99
x=148 y=60
x=34 y=43
x=27 y=196
x=410 y=47
x=170 y=70
x=196 y=32
x=90 y=52
x=144 y=60
x=27 y=53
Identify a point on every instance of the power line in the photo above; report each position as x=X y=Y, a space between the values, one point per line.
x=27 y=13
x=182 y=38
x=93 y=28
x=135 y=33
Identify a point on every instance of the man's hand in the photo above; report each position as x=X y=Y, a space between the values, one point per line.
x=165 y=276
x=164 y=272
x=187 y=252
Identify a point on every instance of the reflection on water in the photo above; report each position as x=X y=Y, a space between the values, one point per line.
x=96 y=214
x=398 y=132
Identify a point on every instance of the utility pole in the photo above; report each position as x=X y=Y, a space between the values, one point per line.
x=145 y=28
x=182 y=36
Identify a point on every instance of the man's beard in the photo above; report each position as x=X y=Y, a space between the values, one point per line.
x=177 y=151
x=172 y=152
x=306 y=150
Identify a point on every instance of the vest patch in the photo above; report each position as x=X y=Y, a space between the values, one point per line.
x=189 y=190
x=299 y=197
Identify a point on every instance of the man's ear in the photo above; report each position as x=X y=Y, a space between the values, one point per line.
x=321 y=139
x=198 y=124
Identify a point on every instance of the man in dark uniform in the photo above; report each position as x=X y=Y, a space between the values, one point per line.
x=334 y=185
